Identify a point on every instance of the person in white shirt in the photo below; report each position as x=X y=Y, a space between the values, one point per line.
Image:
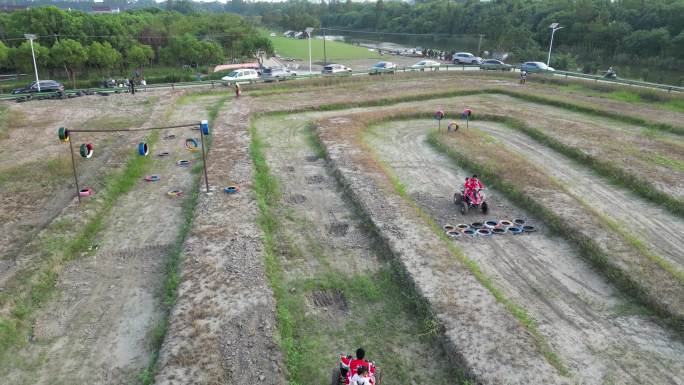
x=361 y=377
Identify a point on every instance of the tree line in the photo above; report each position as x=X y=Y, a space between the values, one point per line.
x=71 y=42
x=595 y=31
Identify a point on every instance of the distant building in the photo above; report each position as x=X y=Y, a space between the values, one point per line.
x=12 y=8
x=103 y=9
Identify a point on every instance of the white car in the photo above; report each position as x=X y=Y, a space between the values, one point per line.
x=423 y=64
x=245 y=75
x=466 y=58
x=335 y=69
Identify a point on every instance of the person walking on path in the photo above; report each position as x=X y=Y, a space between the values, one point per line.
x=238 y=91
x=131 y=86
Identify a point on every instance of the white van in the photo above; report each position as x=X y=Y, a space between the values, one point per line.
x=242 y=76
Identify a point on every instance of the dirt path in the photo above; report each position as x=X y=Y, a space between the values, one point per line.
x=581 y=314
x=222 y=328
x=660 y=230
x=97 y=330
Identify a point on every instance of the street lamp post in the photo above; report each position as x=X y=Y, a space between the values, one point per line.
x=30 y=38
x=554 y=27
x=308 y=33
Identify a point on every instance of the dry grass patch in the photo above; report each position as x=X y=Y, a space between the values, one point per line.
x=10 y=119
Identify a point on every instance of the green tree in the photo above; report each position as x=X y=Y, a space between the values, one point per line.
x=255 y=46
x=103 y=56
x=139 y=55
x=653 y=42
x=4 y=55
x=71 y=55
x=678 y=46
x=21 y=56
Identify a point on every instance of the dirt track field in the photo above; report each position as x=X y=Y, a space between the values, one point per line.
x=334 y=240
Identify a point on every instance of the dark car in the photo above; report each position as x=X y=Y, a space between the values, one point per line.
x=45 y=86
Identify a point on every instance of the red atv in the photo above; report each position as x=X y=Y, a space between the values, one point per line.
x=341 y=374
x=463 y=200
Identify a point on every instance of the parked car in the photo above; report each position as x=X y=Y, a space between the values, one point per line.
x=383 y=67
x=335 y=69
x=493 y=64
x=535 y=66
x=423 y=64
x=245 y=75
x=466 y=58
x=277 y=73
x=45 y=86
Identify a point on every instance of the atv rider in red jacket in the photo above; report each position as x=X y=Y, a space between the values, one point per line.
x=472 y=187
x=359 y=361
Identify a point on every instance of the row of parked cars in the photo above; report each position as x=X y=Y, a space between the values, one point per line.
x=494 y=64
x=278 y=73
x=249 y=75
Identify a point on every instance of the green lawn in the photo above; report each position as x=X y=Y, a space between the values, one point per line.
x=336 y=51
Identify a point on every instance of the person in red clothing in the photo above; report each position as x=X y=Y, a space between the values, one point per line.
x=474 y=185
x=360 y=361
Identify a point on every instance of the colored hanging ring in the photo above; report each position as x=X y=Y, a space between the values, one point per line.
x=63 y=134
x=143 y=150
x=86 y=150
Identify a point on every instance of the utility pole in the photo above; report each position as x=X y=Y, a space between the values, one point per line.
x=479 y=44
x=308 y=32
x=30 y=37
x=325 y=56
x=554 y=27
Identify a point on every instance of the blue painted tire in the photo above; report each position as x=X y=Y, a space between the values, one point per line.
x=515 y=230
x=491 y=223
x=231 y=189
x=204 y=126
x=143 y=150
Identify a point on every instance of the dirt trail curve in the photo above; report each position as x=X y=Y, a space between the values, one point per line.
x=222 y=327
x=578 y=311
x=97 y=330
x=479 y=331
x=660 y=230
